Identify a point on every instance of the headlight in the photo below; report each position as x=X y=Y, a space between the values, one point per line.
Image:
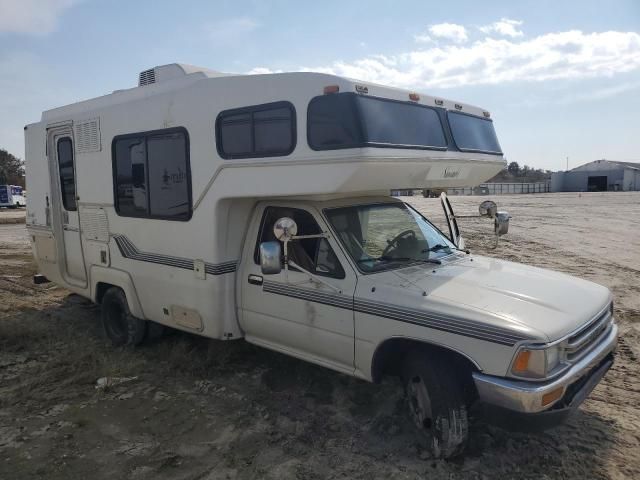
x=535 y=362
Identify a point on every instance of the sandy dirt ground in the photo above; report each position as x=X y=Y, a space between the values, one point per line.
x=192 y=408
x=12 y=215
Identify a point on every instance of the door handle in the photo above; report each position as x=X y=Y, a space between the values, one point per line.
x=255 y=279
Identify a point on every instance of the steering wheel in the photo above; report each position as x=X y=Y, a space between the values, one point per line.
x=393 y=242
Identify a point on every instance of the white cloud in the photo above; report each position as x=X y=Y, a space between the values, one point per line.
x=230 y=29
x=505 y=27
x=600 y=94
x=262 y=71
x=38 y=17
x=449 y=31
x=422 y=38
x=552 y=56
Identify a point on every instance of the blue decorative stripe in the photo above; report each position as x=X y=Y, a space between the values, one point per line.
x=333 y=299
x=436 y=321
x=129 y=250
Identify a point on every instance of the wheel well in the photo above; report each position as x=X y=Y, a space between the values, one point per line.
x=388 y=359
x=101 y=289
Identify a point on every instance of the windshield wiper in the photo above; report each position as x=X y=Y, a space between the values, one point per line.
x=410 y=259
x=400 y=259
x=435 y=248
x=439 y=246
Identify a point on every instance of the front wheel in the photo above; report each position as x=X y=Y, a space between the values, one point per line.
x=435 y=397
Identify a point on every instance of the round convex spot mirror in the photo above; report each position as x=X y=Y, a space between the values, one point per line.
x=285 y=228
x=488 y=208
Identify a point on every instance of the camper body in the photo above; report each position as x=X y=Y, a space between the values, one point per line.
x=12 y=196
x=163 y=203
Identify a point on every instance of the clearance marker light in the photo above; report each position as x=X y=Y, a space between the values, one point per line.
x=414 y=97
x=439 y=102
x=331 y=89
x=486 y=114
x=458 y=106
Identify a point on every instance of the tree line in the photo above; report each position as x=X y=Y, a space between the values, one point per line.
x=515 y=173
x=11 y=169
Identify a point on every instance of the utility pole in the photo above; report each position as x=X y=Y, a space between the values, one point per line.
x=567 y=163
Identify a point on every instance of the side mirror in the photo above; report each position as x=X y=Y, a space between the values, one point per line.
x=500 y=219
x=270 y=254
x=501 y=223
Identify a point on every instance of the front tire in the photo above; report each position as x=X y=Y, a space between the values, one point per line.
x=436 y=402
x=120 y=326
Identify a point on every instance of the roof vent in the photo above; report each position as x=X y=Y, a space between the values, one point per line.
x=163 y=73
x=147 y=77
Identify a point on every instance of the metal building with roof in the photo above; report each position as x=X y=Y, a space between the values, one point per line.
x=598 y=176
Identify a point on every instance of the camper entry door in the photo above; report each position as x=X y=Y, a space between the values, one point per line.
x=66 y=222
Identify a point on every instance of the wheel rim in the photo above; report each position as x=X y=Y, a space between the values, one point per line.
x=419 y=402
x=117 y=320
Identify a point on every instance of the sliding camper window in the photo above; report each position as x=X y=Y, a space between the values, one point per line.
x=67 y=174
x=152 y=176
x=473 y=134
x=348 y=120
x=267 y=130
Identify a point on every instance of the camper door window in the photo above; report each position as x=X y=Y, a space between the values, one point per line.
x=67 y=174
x=152 y=176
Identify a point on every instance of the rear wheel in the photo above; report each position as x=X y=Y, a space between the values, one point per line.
x=435 y=397
x=120 y=326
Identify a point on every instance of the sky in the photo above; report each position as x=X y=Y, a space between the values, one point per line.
x=560 y=78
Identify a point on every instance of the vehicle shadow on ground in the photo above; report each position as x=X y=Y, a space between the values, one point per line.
x=257 y=412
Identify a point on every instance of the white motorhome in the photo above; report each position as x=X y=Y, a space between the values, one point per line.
x=12 y=196
x=257 y=207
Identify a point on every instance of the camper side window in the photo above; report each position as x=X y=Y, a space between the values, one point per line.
x=259 y=131
x=152 y=178
x=313 y=254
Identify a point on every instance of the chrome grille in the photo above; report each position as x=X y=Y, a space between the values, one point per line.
x=580 y=342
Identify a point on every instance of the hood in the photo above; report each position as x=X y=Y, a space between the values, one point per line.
x=537 y=303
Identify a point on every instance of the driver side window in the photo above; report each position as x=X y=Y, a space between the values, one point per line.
x=313 y=254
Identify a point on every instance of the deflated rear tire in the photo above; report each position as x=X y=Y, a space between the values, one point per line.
x=120 y=326
x=436 y=402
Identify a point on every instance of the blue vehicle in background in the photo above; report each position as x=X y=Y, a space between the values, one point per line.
x=12 y=196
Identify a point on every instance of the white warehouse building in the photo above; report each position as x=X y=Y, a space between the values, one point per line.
x=598 y=176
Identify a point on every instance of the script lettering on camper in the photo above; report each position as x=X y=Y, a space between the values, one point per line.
x=169 y=179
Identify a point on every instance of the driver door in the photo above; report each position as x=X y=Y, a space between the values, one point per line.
x=291 y=312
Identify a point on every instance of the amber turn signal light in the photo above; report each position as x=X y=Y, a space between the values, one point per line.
x=522 y=361
x=552 y=396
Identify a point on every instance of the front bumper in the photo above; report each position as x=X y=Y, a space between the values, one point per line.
x=576 y=383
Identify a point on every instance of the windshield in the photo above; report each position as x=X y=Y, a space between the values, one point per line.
x=387 y=235
x=473 y=133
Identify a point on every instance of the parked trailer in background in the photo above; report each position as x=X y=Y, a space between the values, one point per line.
x=258 y=207
x=12 y=196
